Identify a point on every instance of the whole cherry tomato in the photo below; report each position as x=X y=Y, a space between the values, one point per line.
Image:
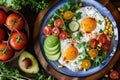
x=59 y=23
x=55 y=31
x=63 y=35
x=18 y=40
x=47 y=30
x=2 y=35
x=5 y=52
x=93 y=43
x=114 y=75
x=103 y=38
x=14 y=21
x=2 y=17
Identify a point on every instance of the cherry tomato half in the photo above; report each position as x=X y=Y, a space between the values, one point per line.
x=18 y=40
x=58 y=23
x=63 y=35
x=5 y=52
x=2 y=35
x=55 y=31
x=93 y=43
x=2 y=17
x=114 y=75
x=102 y=38
x=14 y=20
x=47 y=30
x=105 y=47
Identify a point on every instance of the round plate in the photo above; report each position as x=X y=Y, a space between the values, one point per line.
x=105 y=12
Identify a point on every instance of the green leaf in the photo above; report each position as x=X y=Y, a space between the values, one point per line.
x=100 y=22
x=79 y=35
x=101 y=31
x=78 y=15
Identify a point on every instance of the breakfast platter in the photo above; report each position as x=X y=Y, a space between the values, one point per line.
x=63 y=67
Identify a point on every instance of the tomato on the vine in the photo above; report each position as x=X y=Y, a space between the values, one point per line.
x=14 y=21
x=55 y=31
x=103 y=38
x=93 y=43
x=2 y=17
x=47 y=30
x=2 y=35
x=63 y=35
x=59 y=23
x=5 y=52
x=18 y=40
x=114 y=75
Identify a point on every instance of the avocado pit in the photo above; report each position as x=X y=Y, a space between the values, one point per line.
x=26 y=63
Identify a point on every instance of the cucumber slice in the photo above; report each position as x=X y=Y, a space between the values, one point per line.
x=74 y=26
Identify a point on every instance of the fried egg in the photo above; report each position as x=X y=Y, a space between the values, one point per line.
x=91 y=22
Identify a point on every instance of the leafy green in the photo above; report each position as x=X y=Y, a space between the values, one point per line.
x=10 y=73
x=69 y=6
x=79 y=35
x=32 y=4
x=100 y=22
x=99 y=59
x=101 y=31
x=78 y=15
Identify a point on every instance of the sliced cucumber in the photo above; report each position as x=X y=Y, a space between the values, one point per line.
x=74 y=26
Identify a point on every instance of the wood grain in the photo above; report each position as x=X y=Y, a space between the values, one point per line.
x=58 y=75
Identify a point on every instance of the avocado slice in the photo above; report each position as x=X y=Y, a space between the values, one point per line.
x=53 y=57
x=51 y=40
x=57 y=46
x=28 y=63
x=52 y=50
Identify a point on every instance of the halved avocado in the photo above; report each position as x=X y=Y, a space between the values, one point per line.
x=53 y=57
x=28 y=63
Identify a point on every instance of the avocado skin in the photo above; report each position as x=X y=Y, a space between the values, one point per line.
x=34 y=68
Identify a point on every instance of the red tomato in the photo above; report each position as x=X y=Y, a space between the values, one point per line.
x=105 y=47
x=63 y=35
x=14 y=20
x=58 y=23
x=5 y=52
x=93 y=43
x=114 y=75
x=2 y=35
x=102 y=38
x=47 y=30
x=18 y=40
x=2 y=17
x=55 y=31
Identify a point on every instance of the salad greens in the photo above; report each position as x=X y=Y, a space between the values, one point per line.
x=8 y=73
x=32 y=4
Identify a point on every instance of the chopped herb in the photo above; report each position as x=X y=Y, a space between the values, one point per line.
x=101 y=31
x=78 y=15
x=66 y=6
x=100 y=22
x=79 y=35
x=79 y=45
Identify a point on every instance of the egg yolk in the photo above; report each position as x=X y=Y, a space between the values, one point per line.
x=88 y=24
x=71 y=53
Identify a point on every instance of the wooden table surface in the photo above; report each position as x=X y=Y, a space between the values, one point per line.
x=34 y=21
